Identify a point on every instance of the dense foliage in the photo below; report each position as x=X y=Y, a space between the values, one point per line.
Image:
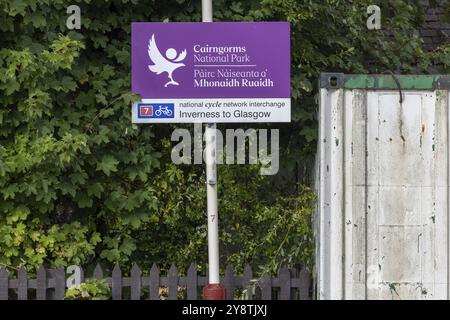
x=80 y=184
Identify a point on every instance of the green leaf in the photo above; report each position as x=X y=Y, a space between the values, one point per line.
x=108 y=164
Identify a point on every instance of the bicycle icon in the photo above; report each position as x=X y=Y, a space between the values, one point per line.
x=163 y=110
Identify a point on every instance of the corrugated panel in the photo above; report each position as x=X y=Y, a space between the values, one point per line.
x=383 y=229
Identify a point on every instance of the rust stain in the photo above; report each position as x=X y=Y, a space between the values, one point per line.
x=401 y=130
x=401 y=123
x=421 y=134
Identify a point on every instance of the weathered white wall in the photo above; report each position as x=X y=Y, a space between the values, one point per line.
x=383 y=227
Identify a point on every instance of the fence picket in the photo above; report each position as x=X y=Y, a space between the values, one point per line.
x=98 y=272
x=116 y=285
x=135 y=282
x=228 y=282
x=4 y=283
x=173 y=283
x=154 y=282
x=265 y=285
x=247 y=281
x=22 y=284
x=191 y=283
x=285 y=283
x=41 y=284
x=305 y=283
x=60 y=284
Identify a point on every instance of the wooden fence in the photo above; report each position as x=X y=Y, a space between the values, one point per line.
x=50 y=284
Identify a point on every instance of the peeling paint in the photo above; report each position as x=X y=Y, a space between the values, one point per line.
x=388 y=233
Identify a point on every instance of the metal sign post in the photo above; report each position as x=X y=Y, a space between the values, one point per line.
x=214 y=290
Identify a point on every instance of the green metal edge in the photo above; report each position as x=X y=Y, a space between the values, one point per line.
x=385 y=81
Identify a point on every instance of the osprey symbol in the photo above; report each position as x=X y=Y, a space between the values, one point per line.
x=168 y=64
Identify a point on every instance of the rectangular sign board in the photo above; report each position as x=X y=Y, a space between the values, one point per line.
x=211 y=72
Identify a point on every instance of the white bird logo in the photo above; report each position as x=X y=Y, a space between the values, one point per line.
x=168 y=64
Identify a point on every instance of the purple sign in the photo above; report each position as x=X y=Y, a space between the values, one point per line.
x=192 y=65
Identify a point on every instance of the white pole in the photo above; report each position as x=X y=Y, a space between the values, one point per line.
x=211 y=181
x=211 y=193
x=207 y=12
